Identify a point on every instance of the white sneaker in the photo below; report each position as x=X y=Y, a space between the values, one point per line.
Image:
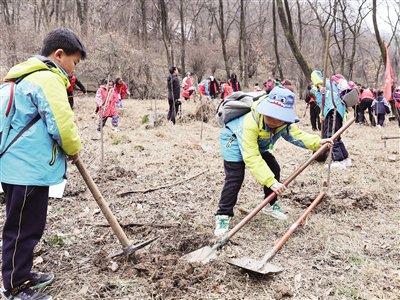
x=347 y=162
x=338 y=165
x=275 y=211
x=221 y=224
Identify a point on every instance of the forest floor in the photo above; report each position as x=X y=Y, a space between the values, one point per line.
x=348 y=249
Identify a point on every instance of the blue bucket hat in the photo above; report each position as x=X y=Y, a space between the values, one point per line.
x=279 y=104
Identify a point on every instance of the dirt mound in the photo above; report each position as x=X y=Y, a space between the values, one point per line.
x=358 y=199
x=169 y=275
x=206 y=112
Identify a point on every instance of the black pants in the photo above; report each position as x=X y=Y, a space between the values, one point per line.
x=234 y=175
x=314 y=116
x=173 y=109
x=26 y=212
x=365 y=104
x=381 y=119
x=339 y=151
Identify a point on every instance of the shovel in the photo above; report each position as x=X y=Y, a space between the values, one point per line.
x=127 y=247
x=208 y=253
x=264 y=267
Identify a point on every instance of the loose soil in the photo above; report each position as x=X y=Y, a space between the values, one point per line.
x=349 y=247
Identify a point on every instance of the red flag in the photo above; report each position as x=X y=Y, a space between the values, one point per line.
x=389 y=77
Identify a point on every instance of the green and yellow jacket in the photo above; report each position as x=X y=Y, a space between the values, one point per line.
x=246 y=137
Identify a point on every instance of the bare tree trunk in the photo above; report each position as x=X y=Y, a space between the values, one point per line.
x=11 y=45
x=377 y=34
x=165 y=32
x=183 y=37
x=277 y=58
x=82 y=8
x=240 y=52
x=221 y=30
x=143 y=12
x=243 y=41
x=291 y=40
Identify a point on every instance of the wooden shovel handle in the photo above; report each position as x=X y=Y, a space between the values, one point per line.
x=282 y=241
x=300 y=169
x=111 y=219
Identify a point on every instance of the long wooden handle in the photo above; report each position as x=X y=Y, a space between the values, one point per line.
x=279 y=244
x=111 y=219
x=300 y=169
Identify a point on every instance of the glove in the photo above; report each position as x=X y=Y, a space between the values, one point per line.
x=278 y=188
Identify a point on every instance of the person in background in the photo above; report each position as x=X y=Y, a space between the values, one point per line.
x=314 y=110
x=174 y=90
x=214 y=88
x=226 y=90
x=73 y=80
x=187 y=86
x=234 y=83
x=122 y=90
x=337 y=87
x=366 y=98
x=396 y=99
x=381 y=108
x=106 y=100
x=257 y=88
x=269 y=85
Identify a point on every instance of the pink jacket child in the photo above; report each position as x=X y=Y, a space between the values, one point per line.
x=106 y=100
x=187 y=86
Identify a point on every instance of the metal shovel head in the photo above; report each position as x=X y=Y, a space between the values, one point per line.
x=255 y=266
x=202 y=255
x=131 y=249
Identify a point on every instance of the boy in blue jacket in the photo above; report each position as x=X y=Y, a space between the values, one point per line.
x=37 y=159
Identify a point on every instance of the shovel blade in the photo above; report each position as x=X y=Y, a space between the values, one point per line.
x=255 y=266
x=202 y=255
x=131 y=249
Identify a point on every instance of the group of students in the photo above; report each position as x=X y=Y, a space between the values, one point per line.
x=209 y=87
x=374 y=101
x=371 y=100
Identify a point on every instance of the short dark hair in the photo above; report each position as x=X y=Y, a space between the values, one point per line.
x=172 y=70
x=65 y=39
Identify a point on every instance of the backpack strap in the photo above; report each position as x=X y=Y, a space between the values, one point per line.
x=26 y=127
x=11 y=99
x=9 y=105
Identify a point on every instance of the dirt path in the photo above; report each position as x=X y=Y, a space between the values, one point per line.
x=349 y=248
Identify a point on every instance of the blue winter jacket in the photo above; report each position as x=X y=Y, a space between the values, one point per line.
x=38 y=157
x=340 y=106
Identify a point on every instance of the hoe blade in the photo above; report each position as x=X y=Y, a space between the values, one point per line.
x=202 y=255
x=255 y=266
x=131 y=249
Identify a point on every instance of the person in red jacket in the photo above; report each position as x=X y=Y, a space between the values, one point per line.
x=73 y=80
x=122 y=90
x=187 y=86
x=366 y=98
x=234 y=83
x=226 y=90
x=106 y=100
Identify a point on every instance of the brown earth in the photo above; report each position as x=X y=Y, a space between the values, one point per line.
x=348 y=249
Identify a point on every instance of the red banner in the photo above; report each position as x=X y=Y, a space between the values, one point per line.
x=389 y=77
